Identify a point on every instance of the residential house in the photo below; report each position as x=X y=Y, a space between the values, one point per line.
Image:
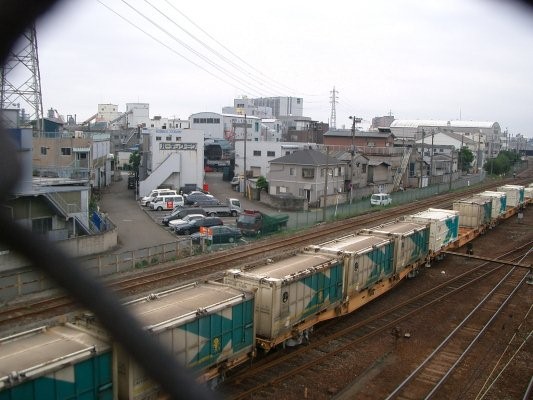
x=81 y=156
x=307 y=173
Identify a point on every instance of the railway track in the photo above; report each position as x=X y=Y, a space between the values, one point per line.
x=429 y=377
x=209 y=266
x=259 y=380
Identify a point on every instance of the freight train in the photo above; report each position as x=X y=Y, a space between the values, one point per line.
x=211 y=327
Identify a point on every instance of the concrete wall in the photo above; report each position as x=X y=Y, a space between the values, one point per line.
x=89 y=245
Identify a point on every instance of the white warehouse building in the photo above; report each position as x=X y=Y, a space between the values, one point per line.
x=226 y=126
x=171 y=157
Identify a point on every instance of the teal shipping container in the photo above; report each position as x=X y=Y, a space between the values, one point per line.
x=55 y=363
x=411 y=241
x=204 y=325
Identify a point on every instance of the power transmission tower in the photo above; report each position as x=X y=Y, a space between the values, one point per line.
x=333 y=119
x=21 y=81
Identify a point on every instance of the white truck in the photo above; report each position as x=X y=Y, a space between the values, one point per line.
x=231 y=208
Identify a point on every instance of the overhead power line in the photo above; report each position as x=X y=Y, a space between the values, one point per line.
x=273 y=81
x=194 y=51
x=168 y=47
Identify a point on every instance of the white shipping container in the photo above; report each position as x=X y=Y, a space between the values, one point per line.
x=443 y=228
x=367 y=259
x=499 y=202
x=290 y=290
x=474 y=212
x=515 y=194
x=411 y=241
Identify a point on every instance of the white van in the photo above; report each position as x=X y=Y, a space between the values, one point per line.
x=146 y=200
x=380 y=199
x=167 y=201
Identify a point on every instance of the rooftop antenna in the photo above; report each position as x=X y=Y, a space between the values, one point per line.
x=21 y=81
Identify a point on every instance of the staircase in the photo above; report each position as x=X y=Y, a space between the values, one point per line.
x=401 y=170
x=132 y=134
x=70 y=211
x=170 y=165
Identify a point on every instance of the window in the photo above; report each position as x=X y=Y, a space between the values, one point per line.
x=257 y=153
x=178 y=138
x=41 y=225
x=292 y=171
x=298 y=101
x=209 y=120
x=363 y=170
x=257 y=126
x=158 y=138
x=240 y=105
x=217 y=120
x=194 y=121
x=271 y=154
x=169 y=138
x=82 y=156
x=308 y=172
x=66 y=151
x=43 y=150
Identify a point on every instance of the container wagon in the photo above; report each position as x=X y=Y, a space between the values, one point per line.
x=474 y=212
x=209 y=327
x=411 y=243
x=515 y=194
x=499 y=203
x=290 y=293
x=443 y=226
x=368 y=267
x=59 y=362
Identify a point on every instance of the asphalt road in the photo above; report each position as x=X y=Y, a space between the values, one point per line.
x=139 y=227
x=136 y=229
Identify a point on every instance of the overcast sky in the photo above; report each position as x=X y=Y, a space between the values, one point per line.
x=416 y=59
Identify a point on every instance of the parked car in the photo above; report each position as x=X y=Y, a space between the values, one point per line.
x=146 y=200
x=180 y=212
x=380 y=199
x=185 y=220
x=219 y=234
x=166 y=202
x=194 y=226
x=197 y=198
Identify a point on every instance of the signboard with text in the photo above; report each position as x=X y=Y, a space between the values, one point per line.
x=177 y=146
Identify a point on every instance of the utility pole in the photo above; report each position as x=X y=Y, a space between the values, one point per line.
x=451 y=169
x=460 y=155
x=245 y=140
x=431 y=156
x=422 y=160
x=326 y=186
x=352 y=152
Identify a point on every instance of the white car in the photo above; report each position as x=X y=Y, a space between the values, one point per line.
x=380 y=199
x=146 y=200
x=185 y=220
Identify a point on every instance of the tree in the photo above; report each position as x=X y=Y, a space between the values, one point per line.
x=262 y=183
x=135 y=161
x=465 y=157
